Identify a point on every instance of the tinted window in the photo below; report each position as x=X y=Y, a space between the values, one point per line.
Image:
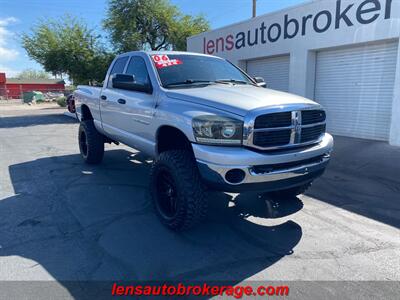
x=137 y=68
x=118 y=67
x=196 y=67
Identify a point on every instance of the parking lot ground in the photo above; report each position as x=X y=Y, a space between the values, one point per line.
x=63 y=220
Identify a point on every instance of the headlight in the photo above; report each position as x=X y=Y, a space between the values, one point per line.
x=216 y=130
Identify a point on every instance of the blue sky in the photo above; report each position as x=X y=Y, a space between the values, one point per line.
x=17 y=16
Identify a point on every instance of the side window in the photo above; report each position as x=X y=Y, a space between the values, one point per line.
x=137 y=67
x=117 y=68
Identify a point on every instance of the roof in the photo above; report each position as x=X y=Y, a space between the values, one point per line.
x=165 y=52
x=168 y=52
x=34 y=81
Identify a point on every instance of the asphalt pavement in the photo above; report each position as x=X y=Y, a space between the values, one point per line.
x=62 y=220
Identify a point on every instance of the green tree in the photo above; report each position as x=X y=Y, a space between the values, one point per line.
x=186 y=27
x=150 y=25
x=33 y=74
x=68 y=47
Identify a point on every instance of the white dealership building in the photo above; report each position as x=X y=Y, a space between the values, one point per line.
x=344 y=54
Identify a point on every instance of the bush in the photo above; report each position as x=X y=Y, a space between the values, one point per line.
x=62 y=101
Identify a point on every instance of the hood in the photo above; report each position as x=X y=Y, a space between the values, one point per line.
x=237 y=99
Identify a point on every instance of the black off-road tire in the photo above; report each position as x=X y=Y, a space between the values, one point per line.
x=91 y=142
x=179 y=169
x=292 y=192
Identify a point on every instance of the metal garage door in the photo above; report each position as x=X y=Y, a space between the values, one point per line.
x=274 y=70
x=355 y=85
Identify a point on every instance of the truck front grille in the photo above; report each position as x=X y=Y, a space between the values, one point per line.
x=273 y=120
x=272 y=138
x=312 y=133
x=288 y=129
x=312 y=116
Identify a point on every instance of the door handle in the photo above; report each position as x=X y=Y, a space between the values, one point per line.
x=121 y=101
x=103 y=97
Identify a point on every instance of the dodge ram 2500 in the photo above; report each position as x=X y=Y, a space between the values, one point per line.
x=207 y=124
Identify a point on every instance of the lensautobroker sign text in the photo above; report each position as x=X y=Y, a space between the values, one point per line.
x=365 y=13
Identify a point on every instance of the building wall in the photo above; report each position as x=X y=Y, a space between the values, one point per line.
x=15 y=90
x=2 y=84
x=303 y=30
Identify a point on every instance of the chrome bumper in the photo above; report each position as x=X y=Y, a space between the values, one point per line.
x=262 y=171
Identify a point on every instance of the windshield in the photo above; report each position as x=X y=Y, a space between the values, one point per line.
x=192 y=70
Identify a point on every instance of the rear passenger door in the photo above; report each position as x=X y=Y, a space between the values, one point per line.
x=109 y=106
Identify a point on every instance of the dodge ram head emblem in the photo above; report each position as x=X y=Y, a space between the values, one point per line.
x=296 y=127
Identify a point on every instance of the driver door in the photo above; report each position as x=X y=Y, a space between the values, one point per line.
x=128 y=113
x=138 y=106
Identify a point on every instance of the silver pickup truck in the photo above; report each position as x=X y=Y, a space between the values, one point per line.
x=208 y=125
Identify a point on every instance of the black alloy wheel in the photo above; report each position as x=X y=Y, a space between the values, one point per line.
x=167 y=200
x=177 y=191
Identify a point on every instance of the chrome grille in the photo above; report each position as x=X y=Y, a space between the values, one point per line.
x=312 y=116
x=288 y=129
x=312 y=133
x=274 y=120
x=272 y=138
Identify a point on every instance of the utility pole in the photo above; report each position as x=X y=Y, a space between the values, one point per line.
x=254 y=8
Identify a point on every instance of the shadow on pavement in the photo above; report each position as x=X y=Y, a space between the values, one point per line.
x=96 y=223
x=33 y=120
x=362 y=177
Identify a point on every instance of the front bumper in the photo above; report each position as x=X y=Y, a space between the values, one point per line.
x=262 y=171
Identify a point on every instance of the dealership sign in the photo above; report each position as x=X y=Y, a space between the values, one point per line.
x=290 y=27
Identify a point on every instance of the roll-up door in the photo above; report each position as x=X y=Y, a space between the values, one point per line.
x=355 y=86
x=275 y=71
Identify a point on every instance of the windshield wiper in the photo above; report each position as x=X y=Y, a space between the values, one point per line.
x=189 y=82
x=231 y=81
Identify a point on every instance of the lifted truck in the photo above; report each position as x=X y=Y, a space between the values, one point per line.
x=207 y=124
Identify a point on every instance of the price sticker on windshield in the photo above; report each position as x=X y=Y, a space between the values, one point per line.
x=162 y=61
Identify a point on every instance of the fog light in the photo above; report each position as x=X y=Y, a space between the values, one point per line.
x=235 y=176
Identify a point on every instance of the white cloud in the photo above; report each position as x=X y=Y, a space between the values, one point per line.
x=10 y=72
x=7 y=53
x=8 y=21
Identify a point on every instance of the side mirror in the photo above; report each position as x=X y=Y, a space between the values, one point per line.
x=127 y=82
x=260 y=81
